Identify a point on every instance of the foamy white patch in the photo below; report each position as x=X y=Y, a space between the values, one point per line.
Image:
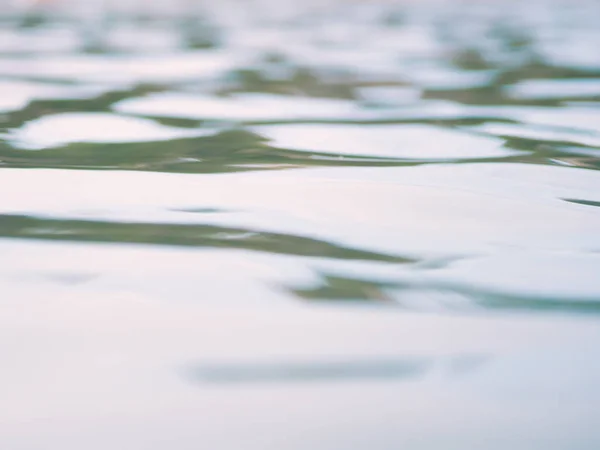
x=45 y=40
x=584 y=118
x=242 y=107
x=441 y=77
x=554 y=89
x=157 y=68
x=61 y=129
x=539 y=133
x=388 y=141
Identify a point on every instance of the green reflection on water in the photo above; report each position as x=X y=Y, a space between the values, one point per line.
x=15 y=226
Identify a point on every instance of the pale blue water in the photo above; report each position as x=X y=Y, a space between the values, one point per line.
x=283 y=226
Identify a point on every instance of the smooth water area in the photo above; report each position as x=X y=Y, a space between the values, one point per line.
x=271 y=225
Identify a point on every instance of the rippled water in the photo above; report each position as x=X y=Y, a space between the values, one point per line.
x=341 y=225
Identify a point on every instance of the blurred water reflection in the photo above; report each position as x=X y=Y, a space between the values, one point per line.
x=206 y=206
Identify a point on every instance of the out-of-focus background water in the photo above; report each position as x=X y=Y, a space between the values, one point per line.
x=322 y=225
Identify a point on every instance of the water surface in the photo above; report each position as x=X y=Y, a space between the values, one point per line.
x=336 y=225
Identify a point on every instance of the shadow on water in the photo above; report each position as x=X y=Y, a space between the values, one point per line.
x=103 y=102
x=234 y=373
x=334 y=369
x=583 y=202
x=337 y=288
x=25 y=227
x=399 y=292
x=434 y=295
